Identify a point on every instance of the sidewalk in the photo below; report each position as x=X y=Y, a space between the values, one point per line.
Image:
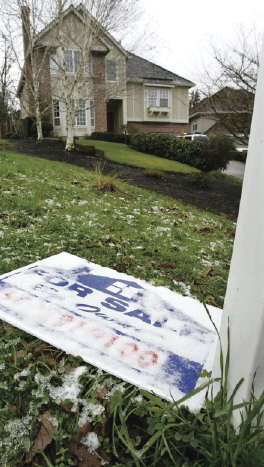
x=235 y=168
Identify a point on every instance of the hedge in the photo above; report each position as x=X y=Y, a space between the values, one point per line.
x=111 y=137
x=214 y=155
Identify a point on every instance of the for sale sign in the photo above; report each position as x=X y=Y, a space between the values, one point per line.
x=149 y=336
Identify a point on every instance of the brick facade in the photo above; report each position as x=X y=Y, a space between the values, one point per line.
x=99 y=91
x=159 y=127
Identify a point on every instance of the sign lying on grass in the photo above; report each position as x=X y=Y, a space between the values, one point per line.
x=146 y=335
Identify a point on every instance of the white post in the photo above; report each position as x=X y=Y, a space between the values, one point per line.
x=244 y=301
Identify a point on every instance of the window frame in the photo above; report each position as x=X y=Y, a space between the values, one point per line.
x=72 y=63
x=53 y=63
x=56 y=113
x=81 y=112
x=158 y=97
x=92 y=114
x=111 y=71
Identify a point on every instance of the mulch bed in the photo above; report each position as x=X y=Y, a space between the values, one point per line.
x=221 y=198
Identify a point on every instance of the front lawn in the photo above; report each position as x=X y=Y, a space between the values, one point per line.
x=123 y=154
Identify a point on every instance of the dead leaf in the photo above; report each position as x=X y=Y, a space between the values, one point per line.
x=209 y=271
x=38 y=350
x=178 y=277
x=48 y=358
x=53 y=253
x=104 y=429
x=202 y=230
x=102 y=393
x=44 y=436
x=20 y=355
x=82 y=431
x=213 y=303
x=9 y=328
x=85 y=457
x=167 y=265
x=26 y=345
x=66 y=408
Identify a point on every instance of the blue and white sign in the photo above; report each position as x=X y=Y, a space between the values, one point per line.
x=149 y=336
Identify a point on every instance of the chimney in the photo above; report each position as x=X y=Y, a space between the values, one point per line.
x=25 y=15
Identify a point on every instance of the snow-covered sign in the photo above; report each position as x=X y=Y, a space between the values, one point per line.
x=149 y=336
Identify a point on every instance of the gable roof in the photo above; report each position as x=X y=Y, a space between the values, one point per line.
x=82 y=14
x=141 y=69
x=226 y=100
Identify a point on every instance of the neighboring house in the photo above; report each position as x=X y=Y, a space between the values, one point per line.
x=228 y=111
x=121 y=91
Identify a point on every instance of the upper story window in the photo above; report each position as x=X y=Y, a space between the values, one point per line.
x=53 y=62
x=73 y=60
x=111 y=74
x=90 y=64
x=158 y=97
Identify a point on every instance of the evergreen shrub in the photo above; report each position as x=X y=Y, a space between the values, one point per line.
x=47 y=127
x=9 y=135
x=111 y=137
x=27 y=124
x=214 y=155
x=88 y=150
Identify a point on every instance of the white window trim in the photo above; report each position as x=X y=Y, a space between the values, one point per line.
x=72 y=61
x=157 y=97
x=80 y=110
x=92 y=114
x=56 y=113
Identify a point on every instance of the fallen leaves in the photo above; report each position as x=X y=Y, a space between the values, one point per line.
x=44 y=436
x=200 y=229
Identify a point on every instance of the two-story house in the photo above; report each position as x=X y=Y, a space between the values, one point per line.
x=84 y=67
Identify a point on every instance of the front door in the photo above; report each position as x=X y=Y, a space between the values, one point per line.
x=111 y=122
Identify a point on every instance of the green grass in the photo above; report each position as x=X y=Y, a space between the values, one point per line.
x=49 y=207
x=123 y=154
x=52 y=207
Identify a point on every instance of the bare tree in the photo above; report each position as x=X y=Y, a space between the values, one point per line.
x=5 y=82
x=61 y=45
x=229 y=81
x=31 y=64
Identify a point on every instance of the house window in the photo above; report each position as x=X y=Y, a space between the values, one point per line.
x=152 y=97
x=164 y=97
x=79 y=108
x=158 y=97
x=92 y=112
x=110 y=70
x=56 y=113
x=72 y=60
x=90 y=64
x=53 y=63
x=194 y=126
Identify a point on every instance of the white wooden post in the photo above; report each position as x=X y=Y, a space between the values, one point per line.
x=244 y=301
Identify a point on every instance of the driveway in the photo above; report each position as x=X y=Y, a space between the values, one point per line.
x=235 y=168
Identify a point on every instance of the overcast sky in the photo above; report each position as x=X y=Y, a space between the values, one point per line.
x=185 y=28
